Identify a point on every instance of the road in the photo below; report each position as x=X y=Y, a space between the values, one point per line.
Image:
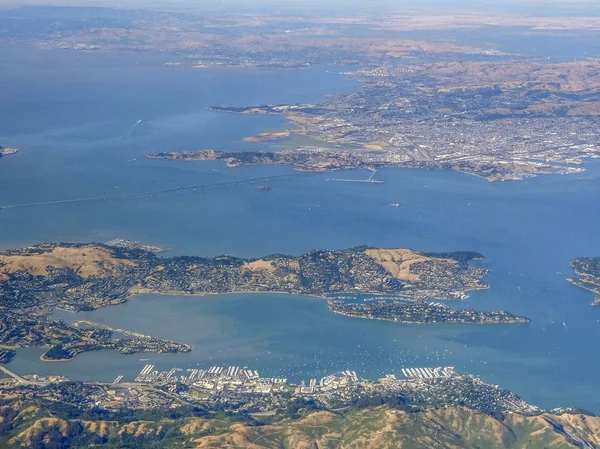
x=15 y=376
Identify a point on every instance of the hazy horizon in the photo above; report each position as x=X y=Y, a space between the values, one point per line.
x=546 y=7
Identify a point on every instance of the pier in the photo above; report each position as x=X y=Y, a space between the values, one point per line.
x=368 y=180
x=428 y=373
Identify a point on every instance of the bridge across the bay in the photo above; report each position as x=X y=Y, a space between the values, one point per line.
x=130 y=196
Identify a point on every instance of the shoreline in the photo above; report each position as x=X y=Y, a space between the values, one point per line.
x=372 y=297
x=575 y=282
x=186 y=294
x=385 y=276
x=516 y=320
x=7 y=151
x=429 y=324
x=44 y=359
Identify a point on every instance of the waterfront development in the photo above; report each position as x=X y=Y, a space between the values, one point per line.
x=422 y=312
x=243 y=390
x=514 y=225
x=220 y=404
x=249 y=391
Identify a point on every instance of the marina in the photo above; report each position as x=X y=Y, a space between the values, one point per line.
x=428 y=373
x=219 y=378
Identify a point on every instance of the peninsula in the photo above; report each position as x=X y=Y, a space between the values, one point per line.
x=422 y=312
x=303 y=159
x=587 y=270
x=80 y=277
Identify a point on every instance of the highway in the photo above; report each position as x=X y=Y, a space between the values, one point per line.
x=15 y=376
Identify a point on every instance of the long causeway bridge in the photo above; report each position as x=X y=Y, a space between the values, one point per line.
x=131 y=196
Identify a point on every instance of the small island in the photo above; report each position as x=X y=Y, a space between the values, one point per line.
x=87 y=276
x=587 y=270
x=7 y=151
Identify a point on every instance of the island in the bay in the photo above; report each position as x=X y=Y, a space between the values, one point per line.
x=7 y=151
x=402 y=285
x=587 y=270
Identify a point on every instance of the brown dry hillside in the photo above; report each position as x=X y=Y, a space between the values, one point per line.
x=87 y=261
x=561 y=77
x=372 y=428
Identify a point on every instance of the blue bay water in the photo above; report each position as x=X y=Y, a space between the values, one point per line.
x=75 y=128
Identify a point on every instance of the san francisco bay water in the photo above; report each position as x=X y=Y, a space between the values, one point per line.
x=74 y=123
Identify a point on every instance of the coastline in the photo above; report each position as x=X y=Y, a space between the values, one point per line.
x=515 y=320
x=44 y=359
x=576 y=283
x=144 y=291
